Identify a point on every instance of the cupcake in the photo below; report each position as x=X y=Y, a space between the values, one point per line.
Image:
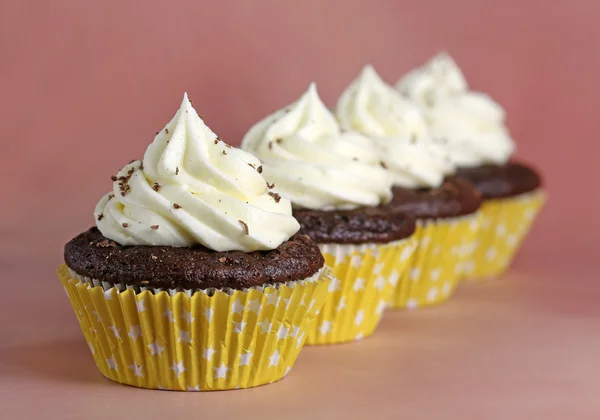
x=337 y=185
x=471 y=127
x=194 y=277
x=425 y=186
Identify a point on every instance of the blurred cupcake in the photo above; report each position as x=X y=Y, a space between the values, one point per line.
x=425 y=186
x=194 y=278
x=337 y=183
x=471 y=127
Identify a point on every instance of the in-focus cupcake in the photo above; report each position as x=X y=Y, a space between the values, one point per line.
x=337 y=183
x=425 y=186
x=471 y=127
x=194 y=278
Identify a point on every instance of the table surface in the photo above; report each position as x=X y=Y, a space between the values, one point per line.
x=522 y=346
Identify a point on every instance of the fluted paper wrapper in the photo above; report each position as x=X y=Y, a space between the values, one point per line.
x=505 y=223
x=443 y=248
x=195 y=340
x=363 y=280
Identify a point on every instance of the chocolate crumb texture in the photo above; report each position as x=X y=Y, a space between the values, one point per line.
x=279 y=141
x=177 y=206
x=383 y=164
x=105 y=244
x=217 y=140
x=156 y=186
x=270 y=186
x=100 y=216
x=113 y=178
x=253 y=166
x=125 y=225
x=259 y=169
x=167 y=130
x=154 y=227
x=270 y=145
x=224 y=152
x=275 y=196
x=177 y=170
x=245 y=226
x=190 y=267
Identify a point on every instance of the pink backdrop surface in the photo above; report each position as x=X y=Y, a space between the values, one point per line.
x=86 y=84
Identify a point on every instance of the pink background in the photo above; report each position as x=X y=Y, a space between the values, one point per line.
x=84 y=85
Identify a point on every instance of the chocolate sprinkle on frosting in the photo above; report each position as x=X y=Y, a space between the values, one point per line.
x=275 y=196
x=259 y=169
x=100 y=216
x=154 y=227
x=156 y=186
x=245 y=226
x=125 y=225
x=177 y=206
x=270 y=186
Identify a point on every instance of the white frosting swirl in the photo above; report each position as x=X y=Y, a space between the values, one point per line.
x=415 y=163
x=471 y=123
x=437 y=79
x=192 y=188
x=313 y=163
x=371 y=106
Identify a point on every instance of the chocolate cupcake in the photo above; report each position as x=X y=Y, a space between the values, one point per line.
x=195 y=277
x=471 y=128
x=424 y=186
x=337 y=184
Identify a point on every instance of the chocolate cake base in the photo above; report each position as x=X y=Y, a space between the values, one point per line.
x=502 y=181
x=358 y=226
x=92 y=255
x=455 y=197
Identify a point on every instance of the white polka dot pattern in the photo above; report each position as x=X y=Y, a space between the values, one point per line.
x=505 y=223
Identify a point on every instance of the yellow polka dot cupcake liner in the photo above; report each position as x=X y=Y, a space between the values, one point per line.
x=363 y=280
x=505 y=223
x=195 y=340
x=443 y=246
